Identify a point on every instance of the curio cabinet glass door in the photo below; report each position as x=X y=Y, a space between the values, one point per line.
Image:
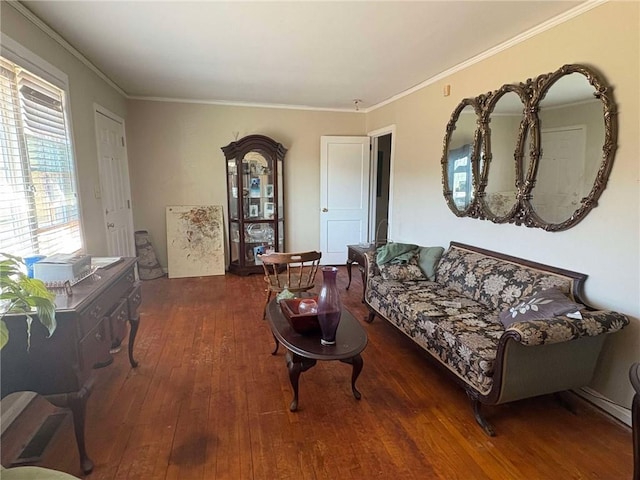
x=255 y=193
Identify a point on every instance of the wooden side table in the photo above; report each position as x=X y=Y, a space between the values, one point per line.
x=355 y=254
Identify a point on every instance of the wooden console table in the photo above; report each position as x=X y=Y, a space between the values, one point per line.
x=90 y=322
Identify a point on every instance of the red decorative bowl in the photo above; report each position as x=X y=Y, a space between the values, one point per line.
x=301 y=323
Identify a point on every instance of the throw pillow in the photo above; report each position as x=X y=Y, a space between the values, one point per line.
x=544 y=304
x=402 y=272
x=428 y=260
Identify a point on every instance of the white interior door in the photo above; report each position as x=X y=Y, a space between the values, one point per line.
x=344 y=195
x=560 y=184
x=115 y=190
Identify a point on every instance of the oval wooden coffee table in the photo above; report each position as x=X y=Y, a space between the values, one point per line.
x=303 y=351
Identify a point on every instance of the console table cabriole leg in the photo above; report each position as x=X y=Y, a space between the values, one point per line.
x=349 y=264
x=134 y=322
x=296 y=365
x=357 y=363
x=364 y=281
x=77 y=403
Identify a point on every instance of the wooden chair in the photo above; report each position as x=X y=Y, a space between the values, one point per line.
x=295 y=271
x=634 y=376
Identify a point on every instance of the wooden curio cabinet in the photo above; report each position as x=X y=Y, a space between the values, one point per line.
x=255 y=194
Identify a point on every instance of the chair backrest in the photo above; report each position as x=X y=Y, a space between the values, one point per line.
x=296 y=271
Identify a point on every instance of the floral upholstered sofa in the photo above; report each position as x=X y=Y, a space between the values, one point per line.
x=505 y=327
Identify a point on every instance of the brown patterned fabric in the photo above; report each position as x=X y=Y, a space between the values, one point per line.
x=493 y=282
x=402 y=272
x=456 y=318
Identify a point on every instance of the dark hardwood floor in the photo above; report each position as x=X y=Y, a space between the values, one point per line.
x=209 y=401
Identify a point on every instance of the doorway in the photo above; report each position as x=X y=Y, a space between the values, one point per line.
x=356 y=193
x=344 y=195
x=382 y=147
x=114 y=190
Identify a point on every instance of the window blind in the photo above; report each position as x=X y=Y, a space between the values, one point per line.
x=38 y=202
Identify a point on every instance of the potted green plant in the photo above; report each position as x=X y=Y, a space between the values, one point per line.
x=21 y=294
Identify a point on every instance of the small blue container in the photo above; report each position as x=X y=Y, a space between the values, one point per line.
x=29 y=261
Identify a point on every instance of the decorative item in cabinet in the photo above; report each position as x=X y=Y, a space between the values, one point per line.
x=255 y=195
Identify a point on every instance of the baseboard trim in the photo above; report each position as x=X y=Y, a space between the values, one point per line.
x=616 y=411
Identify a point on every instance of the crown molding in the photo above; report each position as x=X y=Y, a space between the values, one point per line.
x=532 y=32
x=562 y=18
x=280 y=106
x=29 y=15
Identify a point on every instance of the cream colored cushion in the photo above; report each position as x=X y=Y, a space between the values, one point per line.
x=34 y=473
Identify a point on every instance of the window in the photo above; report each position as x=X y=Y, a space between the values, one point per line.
x=39 y=211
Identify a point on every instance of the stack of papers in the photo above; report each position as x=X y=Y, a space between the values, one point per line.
x=104 y=262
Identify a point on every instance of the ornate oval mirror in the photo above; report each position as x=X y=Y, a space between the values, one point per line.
x=572 y=123
x=506 y=127
x=547 y=150
x=460 y=147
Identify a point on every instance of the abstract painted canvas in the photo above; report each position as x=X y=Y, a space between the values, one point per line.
x=195 y=241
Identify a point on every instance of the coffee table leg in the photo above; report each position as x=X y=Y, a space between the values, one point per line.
x=296 y=365
x=357 y=363
x=349 y=264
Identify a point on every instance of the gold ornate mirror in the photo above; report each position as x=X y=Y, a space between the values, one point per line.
x=547 y=148
x=459 y=162
x=503 y=173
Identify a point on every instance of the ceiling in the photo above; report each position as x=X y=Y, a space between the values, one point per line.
x=305 y=54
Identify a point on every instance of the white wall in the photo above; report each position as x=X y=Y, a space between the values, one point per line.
x=606 y=244
x=175 y=158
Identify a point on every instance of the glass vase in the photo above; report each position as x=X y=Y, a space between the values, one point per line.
x=329 y=306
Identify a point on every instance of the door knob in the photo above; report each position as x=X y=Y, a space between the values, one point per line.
x=325 y=209
x=110 y=225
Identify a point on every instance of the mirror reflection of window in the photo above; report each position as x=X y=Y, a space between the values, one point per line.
x=460 y=175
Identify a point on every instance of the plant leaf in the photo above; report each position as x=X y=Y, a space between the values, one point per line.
x=29 y=320
x=4 y=334
x=35 y=288
x=46 y=313
x=24 y=294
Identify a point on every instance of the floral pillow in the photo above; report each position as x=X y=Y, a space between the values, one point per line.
x=547 y=303
x=402 y=272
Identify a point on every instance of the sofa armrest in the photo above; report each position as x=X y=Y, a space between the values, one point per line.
x=562 y=328
x=371 y=268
